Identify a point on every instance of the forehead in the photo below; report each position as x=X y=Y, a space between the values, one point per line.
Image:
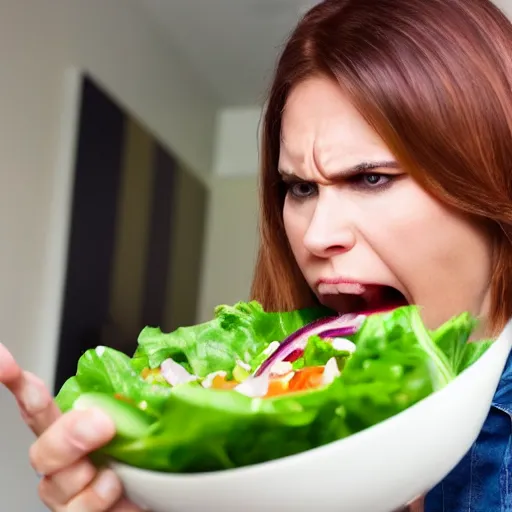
x=323 y=132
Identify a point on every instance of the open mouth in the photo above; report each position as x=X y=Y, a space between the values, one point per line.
x=373 y=298
x=384 y=297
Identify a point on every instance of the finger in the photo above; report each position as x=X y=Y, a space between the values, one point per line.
x=35 y=402
x=100 y=496
x=73 y=436
x=62 y=486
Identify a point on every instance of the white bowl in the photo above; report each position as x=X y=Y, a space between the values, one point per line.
x=377 y=470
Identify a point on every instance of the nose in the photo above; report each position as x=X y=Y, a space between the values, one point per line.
x=330 y=231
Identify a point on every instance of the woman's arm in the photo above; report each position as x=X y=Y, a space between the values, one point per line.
x=416 y=506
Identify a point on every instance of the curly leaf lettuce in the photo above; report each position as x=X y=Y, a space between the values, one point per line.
x=108 y=371
x=453 y=340
x=236 y=333
x=318 y=352
x=188 y=428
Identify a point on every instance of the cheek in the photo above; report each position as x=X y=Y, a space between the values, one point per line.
x=295 y=226
x=441 y=258
x=436 y=239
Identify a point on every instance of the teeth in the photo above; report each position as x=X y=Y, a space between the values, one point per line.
x=343 y=288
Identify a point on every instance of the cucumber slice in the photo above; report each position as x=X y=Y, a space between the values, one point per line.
x=129 y=420
x=240 y=374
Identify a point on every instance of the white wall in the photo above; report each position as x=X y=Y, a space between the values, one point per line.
x=505 y=6
x=39 y=42
x=231 y=243
x=231 y=233
x=236 y=143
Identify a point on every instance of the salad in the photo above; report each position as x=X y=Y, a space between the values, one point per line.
x=251 y=386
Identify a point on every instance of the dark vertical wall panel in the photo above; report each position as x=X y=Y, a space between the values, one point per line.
x=159 y=241
x=190 y=202
x=93 y=226
x=130 y=252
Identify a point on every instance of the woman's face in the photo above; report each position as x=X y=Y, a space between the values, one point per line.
x=360 y=227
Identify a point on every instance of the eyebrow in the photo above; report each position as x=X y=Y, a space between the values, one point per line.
x=351 y=171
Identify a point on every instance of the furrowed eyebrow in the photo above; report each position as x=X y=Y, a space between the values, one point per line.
x=350 y=171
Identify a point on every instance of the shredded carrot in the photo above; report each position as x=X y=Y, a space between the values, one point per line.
x=307 y=378
x=276 y=387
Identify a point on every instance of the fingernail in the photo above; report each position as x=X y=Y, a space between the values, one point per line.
x=32 y=398
x=91 y=428
x=106 y=485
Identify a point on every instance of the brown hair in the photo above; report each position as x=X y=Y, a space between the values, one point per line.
x=434 y=79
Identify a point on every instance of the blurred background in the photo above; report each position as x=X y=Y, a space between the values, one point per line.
x=128 y=157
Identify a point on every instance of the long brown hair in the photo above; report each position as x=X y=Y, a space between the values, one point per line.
x=434 y=79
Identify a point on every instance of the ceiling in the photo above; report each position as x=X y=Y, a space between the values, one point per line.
x=231 y=45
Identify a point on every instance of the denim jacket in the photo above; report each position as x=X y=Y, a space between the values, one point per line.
x=482 y=481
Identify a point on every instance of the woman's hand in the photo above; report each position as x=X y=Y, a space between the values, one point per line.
x=417 y=506
x=69 y=480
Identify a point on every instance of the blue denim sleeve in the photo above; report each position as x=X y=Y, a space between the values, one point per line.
x=482 y=481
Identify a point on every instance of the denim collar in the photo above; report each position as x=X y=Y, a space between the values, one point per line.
x=503 y=396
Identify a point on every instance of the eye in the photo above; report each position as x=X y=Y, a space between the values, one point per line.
x=372 y=180
x=301 y=189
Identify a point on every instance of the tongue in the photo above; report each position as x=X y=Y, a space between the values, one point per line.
x=383 y=297
x=375 y=297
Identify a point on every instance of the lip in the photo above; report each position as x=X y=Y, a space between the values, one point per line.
x=340 y=280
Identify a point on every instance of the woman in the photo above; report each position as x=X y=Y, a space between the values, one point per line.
x=386 y=175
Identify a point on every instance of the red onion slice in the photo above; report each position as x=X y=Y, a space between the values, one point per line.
x=293 y=346
x=293 y=356
x=336 y=333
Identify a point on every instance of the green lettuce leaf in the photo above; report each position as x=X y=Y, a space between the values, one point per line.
x=188 y=428
x=395 y=365
x=237 y=333
x=109 y=371
x=317 y=352
x=224 y=429
x=453 y=339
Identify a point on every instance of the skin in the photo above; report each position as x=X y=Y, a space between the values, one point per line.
x=374 y=228
x=378 y=226
x=70 y=483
